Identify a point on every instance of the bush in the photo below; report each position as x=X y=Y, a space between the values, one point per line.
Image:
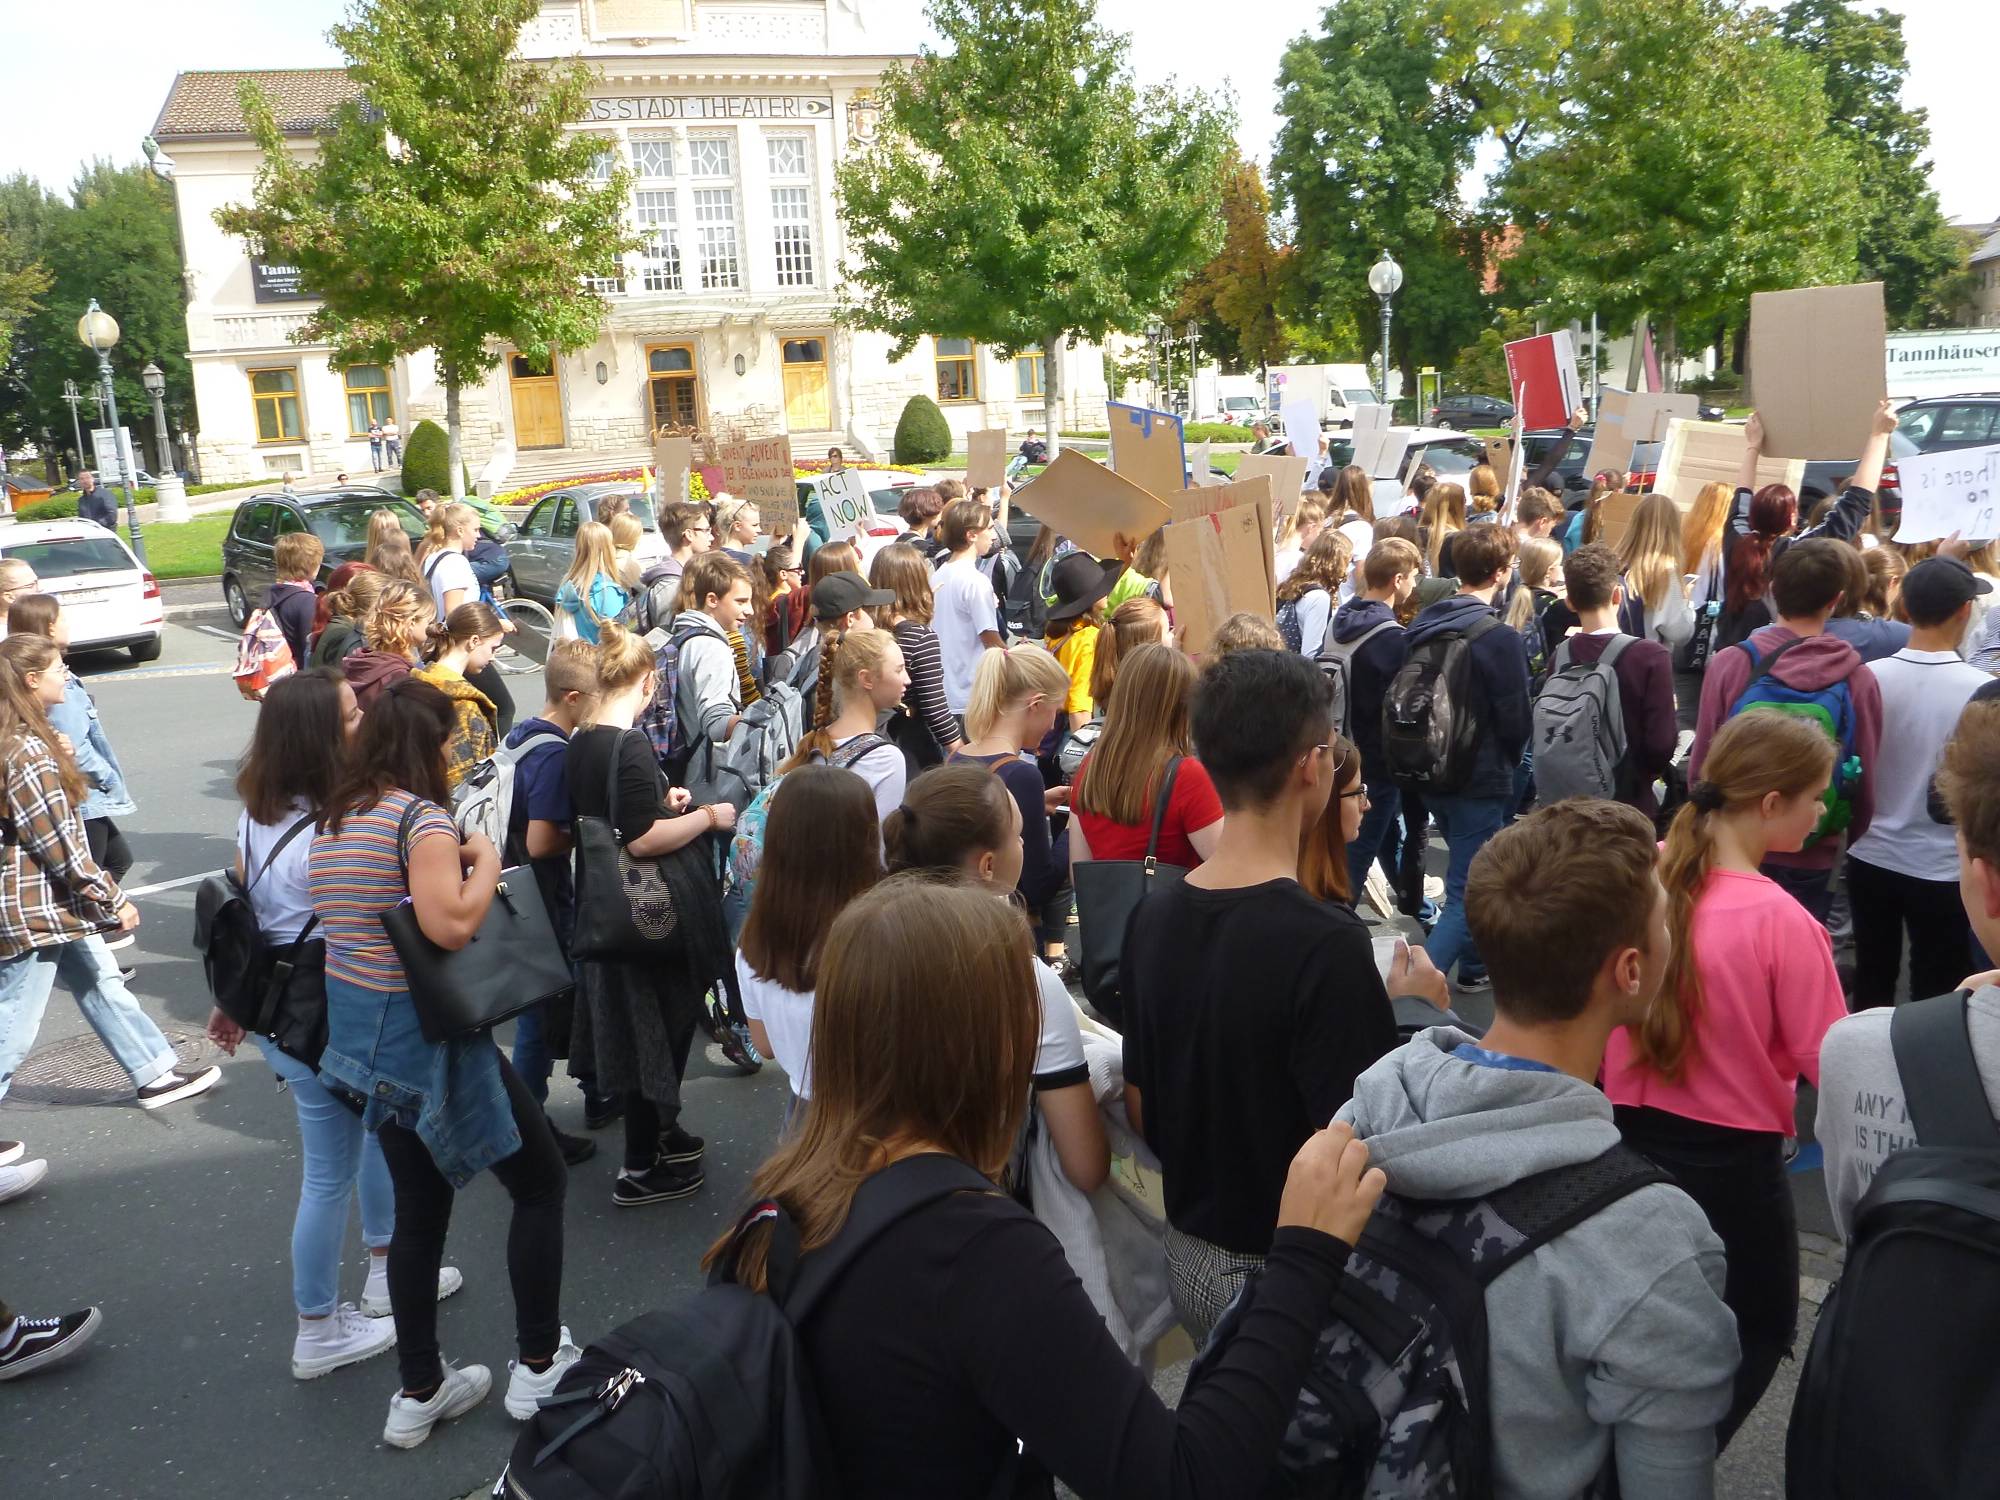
x=922 y=435
x=55 y=508
x=427 y=461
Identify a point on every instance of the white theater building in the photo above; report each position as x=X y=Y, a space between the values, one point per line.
x=731 y=118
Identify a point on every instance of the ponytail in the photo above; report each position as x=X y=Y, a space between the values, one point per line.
x=466 y=624
x=1007 y=676
x=844 y=656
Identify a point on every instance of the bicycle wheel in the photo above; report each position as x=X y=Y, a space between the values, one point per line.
x=527 y=649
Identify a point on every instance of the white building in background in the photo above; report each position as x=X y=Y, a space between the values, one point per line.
x=731 y=117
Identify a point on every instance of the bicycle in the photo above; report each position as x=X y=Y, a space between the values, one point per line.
x=526 y=649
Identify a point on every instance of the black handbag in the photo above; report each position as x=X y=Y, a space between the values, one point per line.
x=272 y=990
x=624 y=908
x=513 y=961
x=1108 y=892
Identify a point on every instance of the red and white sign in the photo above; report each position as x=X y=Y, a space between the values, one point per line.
x=1541 y=372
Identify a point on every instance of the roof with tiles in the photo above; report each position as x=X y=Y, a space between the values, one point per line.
x=205 y=103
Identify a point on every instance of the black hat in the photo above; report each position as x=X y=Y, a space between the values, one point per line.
x=839 y=594
x=1079 y=581
x=1935 y=588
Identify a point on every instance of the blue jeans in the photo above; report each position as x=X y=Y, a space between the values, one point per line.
x=1467 y=823
x=1385 y=800
x=339 y=1157
x=89 y=972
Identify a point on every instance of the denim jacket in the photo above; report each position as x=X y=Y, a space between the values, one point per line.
x=76 y=716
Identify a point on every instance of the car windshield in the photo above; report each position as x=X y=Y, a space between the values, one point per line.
x=1361 y=397
x=345 y=522
x=889 y=502
x=1453 y=458
x=75 y=557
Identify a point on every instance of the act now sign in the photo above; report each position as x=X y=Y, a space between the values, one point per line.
x=1944 y=361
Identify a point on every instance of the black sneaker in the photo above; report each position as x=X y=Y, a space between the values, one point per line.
x=574 y=1148
x=677 y=1147
x=740 y=1050
x=39 y=1342
x=599 y=1110
x=658 y=1184
x=182 y=1083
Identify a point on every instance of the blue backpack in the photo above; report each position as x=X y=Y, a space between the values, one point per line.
x=1831 y=708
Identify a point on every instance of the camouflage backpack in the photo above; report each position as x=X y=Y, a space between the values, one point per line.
x=1394 y=1404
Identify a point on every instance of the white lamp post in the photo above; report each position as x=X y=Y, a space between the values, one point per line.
x=1385 y=277
x=98 y=331
x=169 y=494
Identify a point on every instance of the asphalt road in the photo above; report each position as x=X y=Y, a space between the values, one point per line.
x=178 y=1223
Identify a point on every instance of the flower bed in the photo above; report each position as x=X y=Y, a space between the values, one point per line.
x=697 y=489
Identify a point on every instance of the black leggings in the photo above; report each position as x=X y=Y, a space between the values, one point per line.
x=491 y=681
x=535 y=1179
x=1885 y=903
x=1738 y=1179
x=107 y=847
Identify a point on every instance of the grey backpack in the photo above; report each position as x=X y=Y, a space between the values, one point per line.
x=1336 y=659
x=1579 y=726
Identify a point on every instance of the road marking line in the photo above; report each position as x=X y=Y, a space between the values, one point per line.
x=219 y=633
x=170 y=610
x=168 y=885
x=139 y=674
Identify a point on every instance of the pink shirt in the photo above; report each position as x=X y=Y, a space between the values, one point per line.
x=1769 y=993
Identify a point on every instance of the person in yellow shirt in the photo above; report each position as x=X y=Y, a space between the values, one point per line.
x=1080 y=583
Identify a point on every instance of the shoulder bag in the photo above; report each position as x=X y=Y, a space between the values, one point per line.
x=624 y=908
x=514 y=960
x=1108 y=892
x=272 y=990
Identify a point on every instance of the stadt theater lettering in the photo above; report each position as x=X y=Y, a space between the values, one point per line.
x=645 y=107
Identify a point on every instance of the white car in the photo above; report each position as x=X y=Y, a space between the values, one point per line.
x=108 y=599
x=885 y=491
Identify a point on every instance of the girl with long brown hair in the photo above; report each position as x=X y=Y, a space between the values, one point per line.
x=1650 y=558
x=1119 y=782
x=1307 y=599
x=454 y=651
x=861 y=678
x=1483 y=487
x=1323 y=860
x=1588 y=523
x=904 y=571
x=1442 y=516
x=923 y=1051
x=1704 y=1084
x=395 y=631
x=1135 y=623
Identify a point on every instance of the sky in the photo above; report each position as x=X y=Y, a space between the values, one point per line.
x=103 y=102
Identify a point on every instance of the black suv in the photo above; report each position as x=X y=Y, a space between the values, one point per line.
x=1464 y=412
x=339 y=518
x=1936 y=423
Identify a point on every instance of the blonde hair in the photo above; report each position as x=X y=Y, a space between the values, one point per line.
x=1244 y=631
x=626 y=532
x=843 y=657
x=355 y=600
x=1308 y=512
x=400 y=620
x=1133 y=624
x=447 y=521
x=1485 y=487
x=1008 y=676
x=1443 y=513
x=1701 y=529
x=1325 y=566
x=623 y=657
x=1146 y=725
x=1650 y=554
x=1537 y=561
x=727 y=508
x=297 y=556
x=594 y=555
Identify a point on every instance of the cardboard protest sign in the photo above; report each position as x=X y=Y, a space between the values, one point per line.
x=1818 y=367
x=1371 y=430
x=985 y=458
x=1220 y=565
x=1300 y=418
x=1541 y=373
x=1146 y=448
x=1237 y=495
x=844 y=500
x=1201 y=466
x=1954 y=492
x=1092 y=505
x=1288 y=473
x=1615 y=516
x=1500 y=454
x=761 y=471
x=1699 y=453
x=1628 y=417
x=673 y=459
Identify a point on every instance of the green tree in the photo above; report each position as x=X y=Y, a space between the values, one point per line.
x=1904 y=241
x=1024 y=190
x=1481 y=366
x=1234 y=298
x=449 y=208
x=22 y=282
x=1721 y=180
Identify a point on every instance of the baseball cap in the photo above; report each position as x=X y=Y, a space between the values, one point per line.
x=842 y=593
x=1935 y=588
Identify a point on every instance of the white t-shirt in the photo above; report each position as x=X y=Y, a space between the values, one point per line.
x=449 y=572
x=964 y=605
x=281 y=899
x=1285 y=563
x=1059 y=1060
x=1361 y=534
x=1923 y=693
x=788 y=1021
x=885 y=771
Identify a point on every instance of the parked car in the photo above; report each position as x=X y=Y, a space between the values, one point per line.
x=1571 y=471
x=1463 y=411
x=1822 y=476
x=108 y=598
x=885 y=491
x=541 y=549
x=1242 y=410
x=1934 y=424
x=338 y=517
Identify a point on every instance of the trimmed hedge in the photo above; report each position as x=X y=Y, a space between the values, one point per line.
x=922 y=434
x=427 y=460
x=59 y=507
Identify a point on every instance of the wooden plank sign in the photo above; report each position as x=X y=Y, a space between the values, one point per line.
x=673 y=460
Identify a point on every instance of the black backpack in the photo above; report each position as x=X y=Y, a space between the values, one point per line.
x=1897 y=1395
x=274 y=990
x=1430 y=730
x=714 y=1399
x=1395 y=1399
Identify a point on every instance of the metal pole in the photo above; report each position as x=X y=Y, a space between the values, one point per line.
x=75 y=399
x=124 y=475
x=162 y=439
x=1385 y=351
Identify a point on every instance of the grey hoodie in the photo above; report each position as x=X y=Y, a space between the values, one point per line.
x=1615 y=1329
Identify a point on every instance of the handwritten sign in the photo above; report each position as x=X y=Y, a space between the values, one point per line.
x=761 y=471
x=986 y=458
x=1220 y=566
x=844 y=501
x=1955 y=492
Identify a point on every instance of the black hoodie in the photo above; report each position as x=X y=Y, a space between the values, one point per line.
x=1374 y=665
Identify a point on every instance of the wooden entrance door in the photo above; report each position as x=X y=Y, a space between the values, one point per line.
x=538 y=419
x=808 y=404
x=673 y=387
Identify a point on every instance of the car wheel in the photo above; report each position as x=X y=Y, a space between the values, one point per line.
x=147 y=650
x=233 y=597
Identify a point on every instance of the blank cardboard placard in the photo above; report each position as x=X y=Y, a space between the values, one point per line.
x=761 y=471
x=1954 y=493
x=1220 y=566
x=1093 y=506
x=1300 y=418
x=1287 y=471
x=1201 y=465
x=1371 y=428
x=1146 y=448
x=845 y=502
x=986 y=458
x=1615 y=517
x=1818 y=367
x=1628 y=417
x=1239 y=493
x=1610 y=444
x=1500 y=455
x=673 y=460
x=1700 y=453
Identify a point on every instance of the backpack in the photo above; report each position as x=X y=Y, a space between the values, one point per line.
x=1395 y=1399
x=661 y=718
x=262 y=656
x=746 y=844
x=1076 y=745
x=713 y=1399
x=1831 y=708
x=1579 y=726
x=1289 y=626
x=658 y=588
x=250 y=977
x=484 y=801
x=1896 y=1395
x=1430 y=732
x=1336 y=660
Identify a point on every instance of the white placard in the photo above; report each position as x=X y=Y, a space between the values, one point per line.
x=1371 y=430
x=1955 y=493
x=1200 y=469
x=107 y=455
x=1300 y=416
x=843 y=499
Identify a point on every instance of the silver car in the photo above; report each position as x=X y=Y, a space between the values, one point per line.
x=541 y=551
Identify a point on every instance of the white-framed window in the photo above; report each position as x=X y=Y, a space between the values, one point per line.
x=653 y=158
x=712 y=167
x=605 y=162
x=711 y=156
x=660 y=256
x=792 y=208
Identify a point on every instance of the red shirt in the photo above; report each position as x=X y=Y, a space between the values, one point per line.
x=1193 y=805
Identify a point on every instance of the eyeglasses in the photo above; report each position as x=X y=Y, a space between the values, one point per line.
x=1360 y=791
x=1320 y=749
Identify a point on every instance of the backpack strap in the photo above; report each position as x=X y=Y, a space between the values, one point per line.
x=1160 y=813
x=1932 y=1042
x=855 y=750
x=1549 y=1203
x=1616 y=648
x=1762 y=667
x=1353 y=649
x=278 y=848
x=1480 y=627
x=1559 y=658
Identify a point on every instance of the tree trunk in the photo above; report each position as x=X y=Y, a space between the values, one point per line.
x=1052 y=384
x=1670 y=355
x=453 y=449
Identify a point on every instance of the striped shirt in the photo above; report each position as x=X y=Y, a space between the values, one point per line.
x=356 y=878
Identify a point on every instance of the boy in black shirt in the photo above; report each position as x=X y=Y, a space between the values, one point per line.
x=1253 y=1005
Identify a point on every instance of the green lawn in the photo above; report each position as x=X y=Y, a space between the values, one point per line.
x=192 y=549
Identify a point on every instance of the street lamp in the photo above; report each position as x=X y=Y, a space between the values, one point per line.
x=1156 y=334
x=1384 y=278
x=169 y=494
x=1194 y=363
x=98 y=332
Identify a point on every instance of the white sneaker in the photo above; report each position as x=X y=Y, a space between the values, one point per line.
x=344 y=1338
x=411 y=1421
x=525 y=1389
x=22 y=1176
x=11 y=1152
x=375 y=1295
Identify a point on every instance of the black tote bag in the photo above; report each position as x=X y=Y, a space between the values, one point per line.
x=513 y=961
x=1108 y=892
x=624 y=907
